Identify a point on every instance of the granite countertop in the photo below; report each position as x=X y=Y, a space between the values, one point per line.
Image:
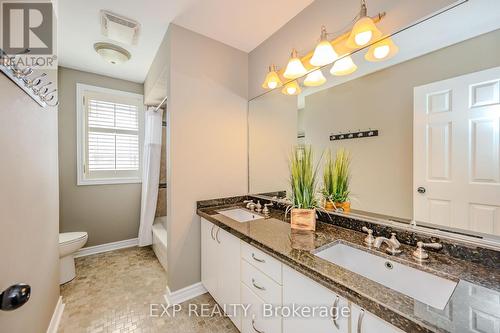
x=475 y=300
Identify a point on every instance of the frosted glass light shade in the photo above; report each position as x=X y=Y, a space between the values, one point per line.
x=363 y=32
x=295 y=68
x=343 y=66
x=272 y=79
x=382 y=50
x=324 y=54
x=314 y=79
x=291 y=88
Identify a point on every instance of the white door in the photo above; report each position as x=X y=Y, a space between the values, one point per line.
x=456 y=152
x=208 y=257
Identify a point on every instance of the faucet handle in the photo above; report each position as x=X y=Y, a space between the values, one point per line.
x=421 y=254
x=369 y=239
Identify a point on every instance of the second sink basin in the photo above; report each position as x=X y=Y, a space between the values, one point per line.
x=422 y=286
x=240 y=215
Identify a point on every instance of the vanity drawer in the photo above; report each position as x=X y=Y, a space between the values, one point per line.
x=264 y=262
x=263 y=286
x=254 y=320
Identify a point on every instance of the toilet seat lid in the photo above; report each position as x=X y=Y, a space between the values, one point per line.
x=68 y=237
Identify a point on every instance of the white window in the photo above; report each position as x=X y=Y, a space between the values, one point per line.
x=110 y=135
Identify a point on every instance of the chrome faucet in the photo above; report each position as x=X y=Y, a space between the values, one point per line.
x=421 y=254
x=250 y=204
x=392 y=244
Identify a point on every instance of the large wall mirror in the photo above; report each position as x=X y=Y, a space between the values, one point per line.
x=425 y=146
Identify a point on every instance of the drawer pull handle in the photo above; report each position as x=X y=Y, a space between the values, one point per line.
x=257 y=259
x=217 y=235
x=335 y=316
x=212 y=231
x=360 y=319
x=253 y=326
x=257 y=286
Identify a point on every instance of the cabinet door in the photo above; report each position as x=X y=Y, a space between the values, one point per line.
x=255 y=320
x=298 y=290
x=208 y=258
x=228 y=288
x=365 y=322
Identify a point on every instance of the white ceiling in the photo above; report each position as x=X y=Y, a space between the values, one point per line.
x=241 y=24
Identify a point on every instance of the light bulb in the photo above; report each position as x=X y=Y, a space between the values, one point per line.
x=291 y=88
x=314 y=79
x=295 y=68
x=324 y=53
x=272 y=79
x=363 y=38
x=343 y=66
x=363 y=32
x=381 y=52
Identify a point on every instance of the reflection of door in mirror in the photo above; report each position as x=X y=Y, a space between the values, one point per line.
x=457 y=152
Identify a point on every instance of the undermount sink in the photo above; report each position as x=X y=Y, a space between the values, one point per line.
x=240 y=215
x=424 y=287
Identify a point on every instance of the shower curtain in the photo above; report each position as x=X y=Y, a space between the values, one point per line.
x=150 y=173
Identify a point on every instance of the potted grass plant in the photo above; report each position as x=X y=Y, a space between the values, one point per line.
x=336 y=178
x=303 y=182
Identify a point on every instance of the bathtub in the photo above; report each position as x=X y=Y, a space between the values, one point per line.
x=160 y=240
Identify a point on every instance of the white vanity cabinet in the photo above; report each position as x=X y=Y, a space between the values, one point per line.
x=300 y=290
x=363 y=321
x=220 y=267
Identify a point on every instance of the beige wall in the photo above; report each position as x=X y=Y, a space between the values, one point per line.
x=29 y=211
x=206 y=140
x=109 y=213
x=302 y=32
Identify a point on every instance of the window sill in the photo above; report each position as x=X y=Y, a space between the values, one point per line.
x=108 y=181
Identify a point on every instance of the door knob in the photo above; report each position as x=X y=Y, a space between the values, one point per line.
x=421 y=190
x=14 y=297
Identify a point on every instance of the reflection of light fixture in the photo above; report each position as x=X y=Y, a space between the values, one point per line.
x=343 y=66
x=382 y=50
x=314 y=79
x=324 y=53
x=295 y=68
x=291 y=88
x=112 y=53
x=364 y=30
x=272 y=79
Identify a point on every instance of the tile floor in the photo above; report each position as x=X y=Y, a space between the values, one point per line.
x=113 y=292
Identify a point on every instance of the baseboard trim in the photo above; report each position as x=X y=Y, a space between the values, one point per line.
x=56 y=316
x=87 y=251
x=184 y=294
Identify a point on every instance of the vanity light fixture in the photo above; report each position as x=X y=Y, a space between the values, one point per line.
x=314 y=79
x=272 y=79
x=291 y=88
x=295 y=68
x=343 y=66
x=324 y=53
x=364 y=30
x=382 y=50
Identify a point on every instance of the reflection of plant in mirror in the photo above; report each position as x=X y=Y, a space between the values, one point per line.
x=303 y=179
x=336 y=176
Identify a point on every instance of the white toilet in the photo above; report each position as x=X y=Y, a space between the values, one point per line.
x=69 y=243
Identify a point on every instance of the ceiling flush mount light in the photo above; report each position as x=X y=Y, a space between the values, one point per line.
x=272 y=79
x=112 y=53
x=382 y=50
x=343 y=66
x=295 y=68
x=364 y=30
x=324 y=53
x=291 y=88
x=314 y=79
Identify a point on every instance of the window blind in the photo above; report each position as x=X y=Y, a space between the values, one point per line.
x=112 y=136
